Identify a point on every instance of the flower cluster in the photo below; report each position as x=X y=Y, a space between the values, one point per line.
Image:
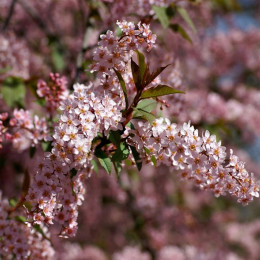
x=57 y=188
x=21 y=240
x=131 y=253
x=53 y=92
x=115 y=52
x=143 y=8
x=198 y=158
x=190 y=252
x=25 y=130
x=13 y=62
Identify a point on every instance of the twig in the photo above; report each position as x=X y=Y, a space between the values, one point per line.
x=8 y=18
x=35 y=17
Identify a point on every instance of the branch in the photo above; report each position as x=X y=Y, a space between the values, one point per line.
x=36 y=18
x=8 y=18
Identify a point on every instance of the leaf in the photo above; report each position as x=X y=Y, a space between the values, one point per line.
x=136 y=74
x=4 y=70
x=121 y=153
x=57 y=57
x=187 y=18
x=104 y=160
x=46 y=146
x=160 y=90
x=41 y=101
x=140 y=113
x=21 y=219
x=178 y=29
x=122 y=84
x=147 y=105
x=161 y=13
x=28 y=205
x=227 y=5
x=147 y=150
x=95 y=166
x=12 y=202
x=115 y=137
x=118 y=167
x=142 y=64
x=150 y=77
x=13 y=92
x=137 y=158
x=153 y=159
x=118 y=32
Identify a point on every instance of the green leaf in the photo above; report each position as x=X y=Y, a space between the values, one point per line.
x=147 y=105
x=118 y=32
x=13 y=92
x=21 y=219
x=147 y=150
x=94 y=163
x=227 y=5
x=137 y=158
x=118 y=167
x=13 y=202
x=136 y=74
x=122 y=84
x=115 y=137
x=178 y=29
x=142 y=64
x=57 y=57
x=161 y=13
x=28 y=205
x=121 y=153
x=41 y=101
x=4 y=70
x=160 y=90
x=104 y=160
x=153 y=159
x=140 y=113
x=187 y=18
x=46 y=146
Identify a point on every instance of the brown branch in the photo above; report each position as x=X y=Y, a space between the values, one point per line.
x=36 y=18
x=8 y=18
x=26 y=184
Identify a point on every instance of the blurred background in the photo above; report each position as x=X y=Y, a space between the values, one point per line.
x=151 y=214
